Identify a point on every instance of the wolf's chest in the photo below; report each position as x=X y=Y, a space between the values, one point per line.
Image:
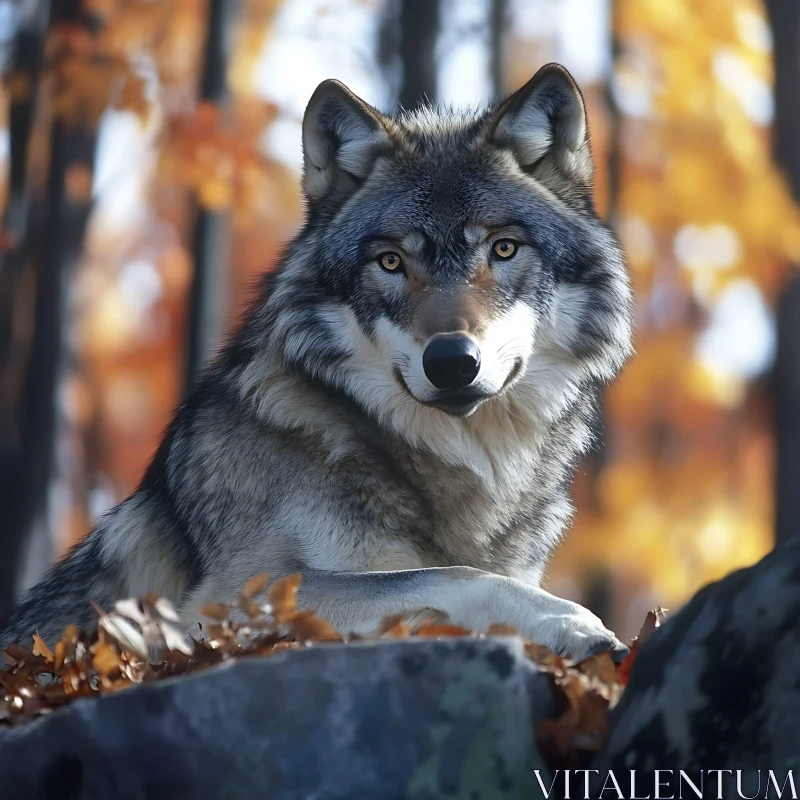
x=466 y=520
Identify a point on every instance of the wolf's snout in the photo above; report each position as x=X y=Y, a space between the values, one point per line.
x=451 y=361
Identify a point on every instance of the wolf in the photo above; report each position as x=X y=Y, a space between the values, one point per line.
x=399 y=414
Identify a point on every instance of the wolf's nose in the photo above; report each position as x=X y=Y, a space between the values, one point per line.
x=451 y=361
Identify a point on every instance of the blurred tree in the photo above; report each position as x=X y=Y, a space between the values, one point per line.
x=208 y=300
x=47 y=255
x=181 y=153
x=419 y=29
x=19 y=288
x=498 y=22
x=785 y=22
x=686 y=492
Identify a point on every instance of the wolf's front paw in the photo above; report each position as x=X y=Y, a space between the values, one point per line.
x=575 y=633
x=566 y=628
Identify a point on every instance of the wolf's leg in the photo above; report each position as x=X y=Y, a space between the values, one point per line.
x=358 y=601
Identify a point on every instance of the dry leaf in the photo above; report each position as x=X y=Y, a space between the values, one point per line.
x=116 y=656
x=132 y=609
x=600 y=667
x=394 y=626
x=282 y=596
x=105 y=660
x=60 y=654
x=305 y=626
x=442 y=630
x=501 y=630
x=255 y=586
x=174 y=639
x=122 y=631
x=40 y=648
x=166 y=609
x=10 y=659
x=216 y=611
x=653 y=620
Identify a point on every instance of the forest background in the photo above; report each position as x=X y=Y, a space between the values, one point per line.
x=149 y=166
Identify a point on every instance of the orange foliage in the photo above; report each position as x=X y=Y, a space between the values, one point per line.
x=687 y=493
x=130 y=352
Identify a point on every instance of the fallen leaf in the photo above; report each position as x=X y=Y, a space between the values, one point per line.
x=216 y=611
x=122 y=631
x=174 y=639
x=105 y=660
x=442 y=630
x=132 y=609
x=653 y=620
x=306 y=626
x=282 y=596
x=501 y=630
x=40 y=648
x=60 y=654
x=394 y=626
x=255 y=586
x=166 y=609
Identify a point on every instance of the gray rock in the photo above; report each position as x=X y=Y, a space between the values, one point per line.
x=718 y=686
x=416 y=718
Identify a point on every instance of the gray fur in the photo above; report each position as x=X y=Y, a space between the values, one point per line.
x=314 y=442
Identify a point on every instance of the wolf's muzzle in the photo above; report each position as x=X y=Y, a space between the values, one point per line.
x=451 y=361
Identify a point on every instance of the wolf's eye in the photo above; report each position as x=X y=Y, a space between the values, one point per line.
x=391 y=262
x=505 y=248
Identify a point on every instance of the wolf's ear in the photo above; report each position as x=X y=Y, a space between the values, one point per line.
x=342 y=136
x=544 y=123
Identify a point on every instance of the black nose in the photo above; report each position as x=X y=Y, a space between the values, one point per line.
x=451 y=361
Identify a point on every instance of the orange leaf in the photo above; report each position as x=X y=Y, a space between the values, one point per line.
x=60 y=654
x=394 y=626
x=217 y=611
x=501 y=630
x=70 y=636
x=282 y=595
x=306 y=626
x=653 y=620
x=105 y=660
x=544 y=657
x=599 y=667
x=255 y=585
x=442 y=630
x=624 y=669
x=41 y=649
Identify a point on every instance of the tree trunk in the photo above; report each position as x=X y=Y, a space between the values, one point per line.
x=419 y=31
x=39 y=270
x=208 y=294
x=785 y=20
x=498 y=21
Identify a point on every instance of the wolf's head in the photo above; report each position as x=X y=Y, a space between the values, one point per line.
x=451 y=263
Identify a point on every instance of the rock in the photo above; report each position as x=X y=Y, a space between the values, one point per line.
x=409 y=718
x=717 y=687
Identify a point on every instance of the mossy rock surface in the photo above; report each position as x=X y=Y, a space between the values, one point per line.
x=410 y=718
x=718 y=688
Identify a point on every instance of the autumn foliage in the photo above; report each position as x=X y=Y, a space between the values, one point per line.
x=141 y=641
